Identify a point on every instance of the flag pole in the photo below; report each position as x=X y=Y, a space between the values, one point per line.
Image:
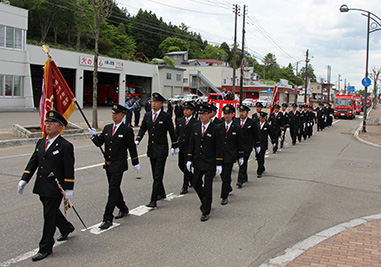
x=46 y=49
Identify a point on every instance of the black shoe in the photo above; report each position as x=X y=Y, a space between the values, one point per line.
x=104 y=225
x=41 y=256
x=239 y=185
x=152 y=205
x=293 y=144
x=244 y=181
x=64 y=236
x=121 y=214
x=160 y=197
x=259 y=175
x=224 y=201
x=204 y=217
x=183 y=191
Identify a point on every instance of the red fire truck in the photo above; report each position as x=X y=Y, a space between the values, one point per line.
x=344 y=106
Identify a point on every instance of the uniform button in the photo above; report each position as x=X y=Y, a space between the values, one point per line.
x=200 y=153
x=201 y=146
x=40 y=176
x=153 y=127
x=225 y=143
x=153 y=142
x=202 y=139
x=110 y=142
x=152 y=134
x=109 y=156
x=43 y=158
x=109 y=149
x=41 y=167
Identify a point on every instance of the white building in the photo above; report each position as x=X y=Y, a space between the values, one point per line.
x=15 y=77
x=21 y=70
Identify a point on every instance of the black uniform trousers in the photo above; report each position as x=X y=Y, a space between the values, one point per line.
x=276 y=135
x=294 y=133
x=282 y=135
x=188 y=176
x=320 y=124
x=305 y=130
x=329 y=121
x=242 y=173
x=204 y=189
x=226 y=177
x=53 y=218
x=137 y=118
x=261 y=161
x=157 y=166
x=115 y=196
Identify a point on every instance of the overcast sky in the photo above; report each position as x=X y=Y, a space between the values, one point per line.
x=284 y=28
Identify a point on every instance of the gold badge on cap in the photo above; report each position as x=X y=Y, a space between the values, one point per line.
x=227 y=108
x=241 y=107
x=115 y=107
x=51 y=114
x=155 y=95
x=201 y=107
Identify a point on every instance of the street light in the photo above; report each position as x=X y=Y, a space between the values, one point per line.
x=375 y=26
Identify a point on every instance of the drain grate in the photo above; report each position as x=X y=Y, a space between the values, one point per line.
x=360 y=165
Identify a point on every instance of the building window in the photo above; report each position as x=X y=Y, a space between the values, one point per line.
x=11 y=85
x=185 y=80
x=224 y=81
x=178 y=77
x=11 y=37
x=169 y=76
x=2 y=29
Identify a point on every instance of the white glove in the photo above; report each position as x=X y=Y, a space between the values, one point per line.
x=189 y=165
x=137 y=142
x=68 y=194
x=172 y=151
x=218 y=170
x=137 y=168
x=21 y=186
x=274 y=145
x=240 y=161
x=177 y=150
x=258 y=149
x=92 y=132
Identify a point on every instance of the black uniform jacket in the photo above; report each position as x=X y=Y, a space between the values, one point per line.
x=205 y=151
x=255 y=117
x=179 y=111
x=264 y=135
x=232 y=142
x=250 y=135
x=217 y=120
x=294 y=120
x=56 y=162
x=183 y=133
x=116 y=147
x=275 y=122
x=285 y=119
x=157 y=139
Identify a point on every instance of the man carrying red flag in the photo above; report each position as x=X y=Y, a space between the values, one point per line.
x=274 y=99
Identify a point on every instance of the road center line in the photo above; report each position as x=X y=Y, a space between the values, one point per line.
x=99 y=164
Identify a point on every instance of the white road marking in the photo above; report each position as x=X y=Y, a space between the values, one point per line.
x=98 y=164
x=172 y=196
x=141 y=210
x=96 y=231
x=26 y=255
x=335 y=122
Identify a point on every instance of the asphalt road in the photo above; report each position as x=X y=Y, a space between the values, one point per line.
x=319 y=183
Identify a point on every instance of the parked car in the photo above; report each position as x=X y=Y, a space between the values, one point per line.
x=203 y=98
x=265 y=100
x=176 y=98
x=190 y=97
x=250 y=102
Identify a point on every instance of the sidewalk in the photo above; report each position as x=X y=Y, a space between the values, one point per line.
x=354 y=243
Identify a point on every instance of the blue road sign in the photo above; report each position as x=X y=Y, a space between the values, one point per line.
x=269 y=90
x=366 y=82
x=351 y=89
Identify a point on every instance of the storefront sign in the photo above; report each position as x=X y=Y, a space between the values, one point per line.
x=102 y=63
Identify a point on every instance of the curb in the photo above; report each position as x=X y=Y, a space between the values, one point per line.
x=356 y=135
x=298 y=249
x=26 y=141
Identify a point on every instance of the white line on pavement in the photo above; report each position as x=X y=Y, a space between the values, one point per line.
x=99 y=164
x=96 y=231
x=25 y=256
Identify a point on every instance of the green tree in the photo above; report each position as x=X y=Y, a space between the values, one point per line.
x=169 y=42
x=214 y=53
x=310 y=73
x=271 y=67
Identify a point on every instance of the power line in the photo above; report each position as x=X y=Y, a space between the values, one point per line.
x=189 y=10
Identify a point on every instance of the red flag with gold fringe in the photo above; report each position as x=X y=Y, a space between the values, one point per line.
x=56 y=94
x=275 y=98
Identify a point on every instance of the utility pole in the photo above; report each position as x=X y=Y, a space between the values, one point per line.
x=338 y=83
x=329 y=82
x=345 y=86
x=305 y=91
x=236 y=9
x=243 y=57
